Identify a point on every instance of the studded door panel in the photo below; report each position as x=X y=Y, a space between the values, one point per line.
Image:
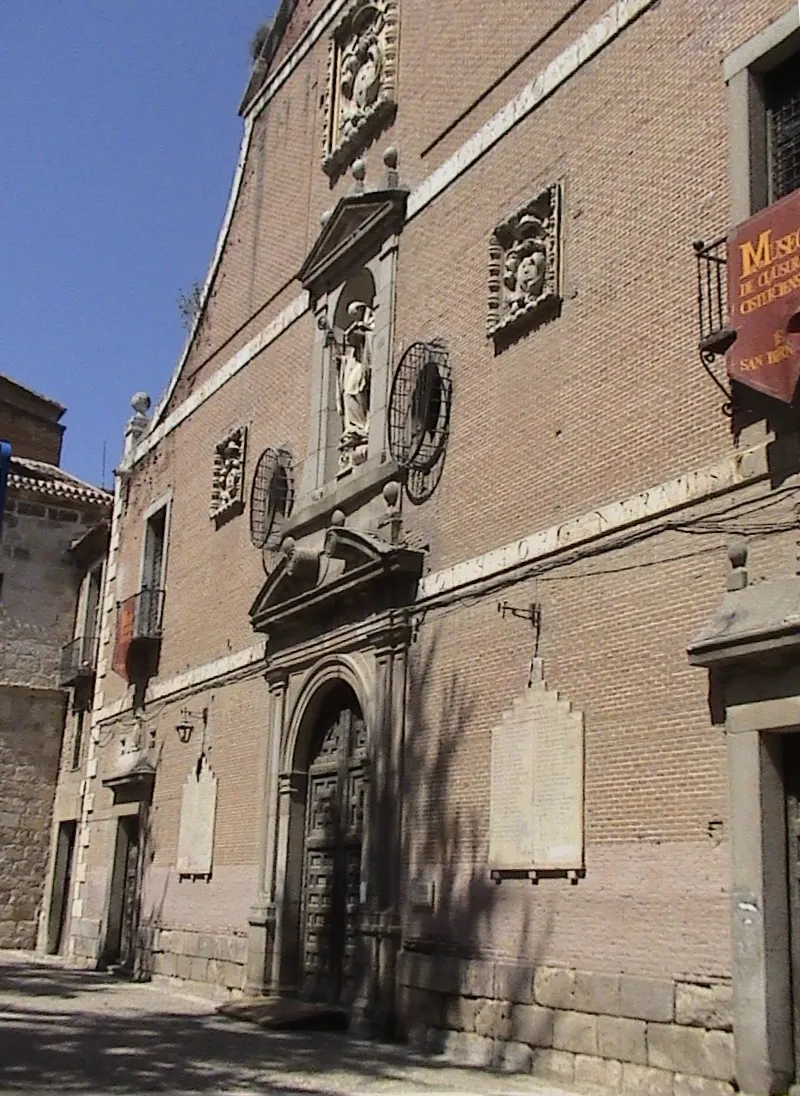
x=332 y=861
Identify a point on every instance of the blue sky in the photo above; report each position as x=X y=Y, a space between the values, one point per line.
x=118 y=141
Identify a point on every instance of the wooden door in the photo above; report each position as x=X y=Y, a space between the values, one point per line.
x=332 y=854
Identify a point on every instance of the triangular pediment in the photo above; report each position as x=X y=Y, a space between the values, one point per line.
x=358 y=224
x=309 y=582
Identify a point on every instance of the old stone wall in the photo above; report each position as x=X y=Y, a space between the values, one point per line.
x=37 y=616
x=665 y=1037
x=40 y=586
x=30 y=741
x=210 y=963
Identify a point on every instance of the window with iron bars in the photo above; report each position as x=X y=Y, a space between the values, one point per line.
x=782 y=99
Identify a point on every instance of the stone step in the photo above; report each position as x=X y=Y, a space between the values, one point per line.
x=286 y=1013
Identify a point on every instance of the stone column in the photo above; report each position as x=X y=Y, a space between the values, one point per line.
x=382 y=921
x=762 y=1007
x=287 y=875
x=383 y=270
x=261 y=920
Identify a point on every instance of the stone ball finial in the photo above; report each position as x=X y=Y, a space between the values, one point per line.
x=326 y=216
x=391 y=493
x=337 y=518
x=287 y=546
x=390 y=157
x=359 y=170
x=737 y=552
x=140 y=402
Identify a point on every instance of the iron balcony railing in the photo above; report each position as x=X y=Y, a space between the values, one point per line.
x=712 y=297
x=78 y=661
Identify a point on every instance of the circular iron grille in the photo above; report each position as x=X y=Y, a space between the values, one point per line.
x=419 y=406
x=271 y=495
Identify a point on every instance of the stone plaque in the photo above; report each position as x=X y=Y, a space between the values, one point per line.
x=536 y=806
x=198 y=814
x=511 y=822
x=423 y=894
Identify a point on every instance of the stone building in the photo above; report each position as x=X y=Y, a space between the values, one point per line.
x=48 y=513
x=394 y=708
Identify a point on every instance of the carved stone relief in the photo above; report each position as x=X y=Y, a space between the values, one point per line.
x=227 y=491
x=524 y=264
x=353 y=383
x=361 y=79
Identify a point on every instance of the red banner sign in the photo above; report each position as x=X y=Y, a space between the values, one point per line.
x=126 y=617
x=764 y=299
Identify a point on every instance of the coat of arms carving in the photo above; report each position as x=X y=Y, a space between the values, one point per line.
x=361 y=80
x=227 y=490
x=525 y=265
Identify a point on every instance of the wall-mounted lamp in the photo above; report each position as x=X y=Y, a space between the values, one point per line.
x=185 y=725
x=323 y=323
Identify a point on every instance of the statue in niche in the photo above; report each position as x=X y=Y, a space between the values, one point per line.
x=361 y=72
x=354 y=373
x=525 y=265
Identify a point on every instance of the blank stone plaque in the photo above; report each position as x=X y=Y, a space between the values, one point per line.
x=198 y=813
x=536 y=804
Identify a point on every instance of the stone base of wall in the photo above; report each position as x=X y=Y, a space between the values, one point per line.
x=640 y=1035
x=211 y=964
x=84 y=942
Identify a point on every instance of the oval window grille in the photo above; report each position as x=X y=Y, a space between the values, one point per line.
x=271 y=496
x=419 y=406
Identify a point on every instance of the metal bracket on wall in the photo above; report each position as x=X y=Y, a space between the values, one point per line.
x=533 y=613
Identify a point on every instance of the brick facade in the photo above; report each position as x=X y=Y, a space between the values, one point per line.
x=597 y=432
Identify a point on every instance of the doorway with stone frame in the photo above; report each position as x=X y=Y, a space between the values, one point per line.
x=333 y=839
x=750 y=647
x=123 y=912
x=58 y=918
x=791 y=782
x=324 y=923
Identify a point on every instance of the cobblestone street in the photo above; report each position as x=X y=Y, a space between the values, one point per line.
x=68 y=1031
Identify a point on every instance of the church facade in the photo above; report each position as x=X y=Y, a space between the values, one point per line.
x=445 y=673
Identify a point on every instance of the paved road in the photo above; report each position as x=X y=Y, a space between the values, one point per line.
x=67 y=1031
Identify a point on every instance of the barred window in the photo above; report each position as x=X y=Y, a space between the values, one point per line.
x=782 y=94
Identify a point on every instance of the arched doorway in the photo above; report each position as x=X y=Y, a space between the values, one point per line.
x=332 y=850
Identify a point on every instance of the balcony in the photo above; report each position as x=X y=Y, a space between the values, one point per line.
x=138 y=639
x=712 y=298
x=148 y=606
x=78 y=662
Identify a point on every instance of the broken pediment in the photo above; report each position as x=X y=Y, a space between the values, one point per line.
x=353 y=575
x=358 y=225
